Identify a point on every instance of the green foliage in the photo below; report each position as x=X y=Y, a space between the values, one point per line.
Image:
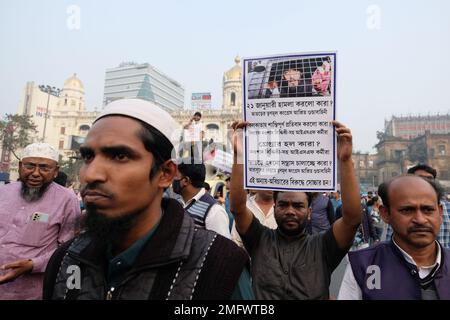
x=16 y=132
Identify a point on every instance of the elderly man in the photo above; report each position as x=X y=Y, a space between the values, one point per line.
x=139 y=245
x=413 y=265
x=36 y=215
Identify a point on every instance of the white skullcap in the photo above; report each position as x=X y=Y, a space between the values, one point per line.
x=147 y=112
x=40 y=150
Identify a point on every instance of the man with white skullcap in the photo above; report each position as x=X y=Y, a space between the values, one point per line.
x=138 y=245
x=36 y=216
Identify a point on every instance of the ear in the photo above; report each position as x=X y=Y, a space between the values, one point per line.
x=168 y=173
x=441 y=212
x=309 y=213
x=384 y=212
x=56 y=172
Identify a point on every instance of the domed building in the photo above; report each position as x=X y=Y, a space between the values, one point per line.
x=72 y=94
x=232 y=86
x=59 y=114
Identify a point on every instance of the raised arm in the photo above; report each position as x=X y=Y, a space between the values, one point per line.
x=344 y=229
x=238 y=197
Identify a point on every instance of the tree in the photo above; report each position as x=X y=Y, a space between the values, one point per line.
x=16 y=132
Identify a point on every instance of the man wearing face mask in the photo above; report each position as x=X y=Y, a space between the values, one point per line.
x=199 y=204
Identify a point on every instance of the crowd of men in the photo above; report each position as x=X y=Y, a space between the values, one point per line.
x=150 y=230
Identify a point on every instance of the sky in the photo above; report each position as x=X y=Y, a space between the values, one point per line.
x=392 y=56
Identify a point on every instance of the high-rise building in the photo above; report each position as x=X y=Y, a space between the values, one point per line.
x=143 y=81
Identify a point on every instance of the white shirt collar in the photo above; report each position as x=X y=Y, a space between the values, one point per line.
x=196 y=197
x=425 y=270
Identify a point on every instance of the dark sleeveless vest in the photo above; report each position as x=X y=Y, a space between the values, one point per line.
x=399 y=280
x=198 y=210
x=179 y=262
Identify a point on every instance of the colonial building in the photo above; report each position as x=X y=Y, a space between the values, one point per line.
x=366 y=170
x=217 y=121
x=60 y=115
x=407 y=141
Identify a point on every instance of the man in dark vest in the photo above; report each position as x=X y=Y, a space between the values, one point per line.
x=199 y=204
x=137 y=245
x=413 y=265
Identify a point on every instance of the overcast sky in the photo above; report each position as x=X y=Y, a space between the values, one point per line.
x=393 y=56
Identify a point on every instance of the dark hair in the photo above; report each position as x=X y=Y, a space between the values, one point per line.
x=228 y=179
x=309 y=196
x=424 y=167
x=372 y=201
x=206 y=186
x=61 y=179
x=198 y=114
x=155 y=143
x=196 y=172
x=383 y=189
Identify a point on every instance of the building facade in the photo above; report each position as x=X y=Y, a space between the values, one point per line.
x=60 y=115
x=143 y=81
x=410 y=127
x=216 y=122
x=408 y=141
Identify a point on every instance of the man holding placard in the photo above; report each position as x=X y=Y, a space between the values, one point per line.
x=288 y=263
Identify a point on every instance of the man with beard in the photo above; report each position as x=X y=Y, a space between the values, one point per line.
x=138 y=245
x=413 y=265
x=36 y=215
x=287 y=262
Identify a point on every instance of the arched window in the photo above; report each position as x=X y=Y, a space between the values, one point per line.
x=233 y=99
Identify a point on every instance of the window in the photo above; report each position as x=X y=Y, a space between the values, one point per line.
x=361 y=164
x=233 y=99
x=65 y=102
x=63 y=130
x=61 y=144
x=441 y=150
x=432 y=153
x=370 y=163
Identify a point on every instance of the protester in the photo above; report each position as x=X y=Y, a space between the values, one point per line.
x=138 y=245
x=36 y=216
x=288 y=263
x=413 y=265
x=428 y=172
x=200 y=205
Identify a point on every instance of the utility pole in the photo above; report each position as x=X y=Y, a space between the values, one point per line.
x=50 y=91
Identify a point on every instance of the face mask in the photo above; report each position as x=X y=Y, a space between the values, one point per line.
x=176 y=186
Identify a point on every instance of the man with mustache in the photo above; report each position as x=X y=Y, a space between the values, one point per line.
x=36 y=216
x=287 y=262
x=425 y=171
x=138 y=245
x=413 y=265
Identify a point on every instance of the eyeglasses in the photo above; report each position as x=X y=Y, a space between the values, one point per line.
x=44 y=168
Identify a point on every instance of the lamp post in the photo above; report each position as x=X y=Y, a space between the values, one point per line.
x=50 y=91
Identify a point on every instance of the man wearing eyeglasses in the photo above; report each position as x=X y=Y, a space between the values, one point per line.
x=36 y=215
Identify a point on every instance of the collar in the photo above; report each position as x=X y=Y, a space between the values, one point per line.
x=425 y=270
x=195 y=198
x=127 y=257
